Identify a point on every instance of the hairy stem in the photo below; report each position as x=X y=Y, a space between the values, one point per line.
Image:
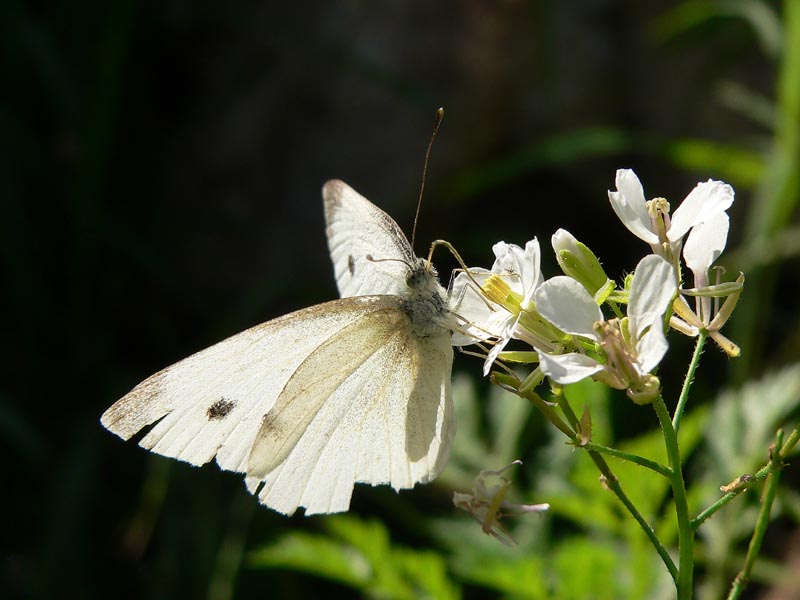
x=687 y=382
x=685 y=530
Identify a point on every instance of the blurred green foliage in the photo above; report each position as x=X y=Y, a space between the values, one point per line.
x=159 y=173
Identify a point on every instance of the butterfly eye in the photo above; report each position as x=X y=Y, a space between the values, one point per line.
x=415 y=278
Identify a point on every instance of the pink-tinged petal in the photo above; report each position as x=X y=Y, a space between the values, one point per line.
x=568 y=368
x=630 y=205
x=705 y=243
x=652 y=290
x=567 y=305
x=705 y=201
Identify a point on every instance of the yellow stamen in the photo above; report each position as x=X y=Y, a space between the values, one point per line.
x=499 y=292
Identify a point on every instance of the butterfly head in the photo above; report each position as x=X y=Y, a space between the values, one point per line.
x=426 y=300
x=422 y=276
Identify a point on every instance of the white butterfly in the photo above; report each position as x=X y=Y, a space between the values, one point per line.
x=308 y=404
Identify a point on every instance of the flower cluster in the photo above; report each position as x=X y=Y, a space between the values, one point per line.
x=562 y=318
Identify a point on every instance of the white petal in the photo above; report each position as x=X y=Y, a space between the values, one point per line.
x=629 y=204
x=705 y=243
x=568 y=368
x=567 y=305
x=703 y=202
x=651 y=347
x=652 y=290
x=508 y=262
x=494 y=352
x=564 y=240
x=473 y=308
x=531 y=271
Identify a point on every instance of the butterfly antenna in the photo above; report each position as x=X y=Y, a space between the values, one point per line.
x=439 y=117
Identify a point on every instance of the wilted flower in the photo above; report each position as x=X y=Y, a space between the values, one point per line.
x=488 y=504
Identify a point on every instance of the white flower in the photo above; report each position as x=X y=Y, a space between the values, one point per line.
x=494 y=310
x=651 y=221
x=632 y=347
x=703 y=246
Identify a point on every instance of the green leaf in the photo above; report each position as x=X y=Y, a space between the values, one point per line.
x=316 y=555
x=587 y=569
x=359 y=554
x=734 y=164
x=518 y=577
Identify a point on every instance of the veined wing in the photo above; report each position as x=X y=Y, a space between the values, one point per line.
x=213 y=402
x=386 y=418
x=357 y=229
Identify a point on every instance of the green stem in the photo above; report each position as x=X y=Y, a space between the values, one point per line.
x=685 y=531
x=612 y=483
x=566 y=408
x=742 y=578
x=760 y=475
x=634 y=458
x=512 y=384
x=687 y=382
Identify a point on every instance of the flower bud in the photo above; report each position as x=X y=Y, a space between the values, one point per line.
x=578 y=262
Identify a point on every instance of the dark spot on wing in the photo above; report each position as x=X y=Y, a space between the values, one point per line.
x=351 y=265
x=220 y=409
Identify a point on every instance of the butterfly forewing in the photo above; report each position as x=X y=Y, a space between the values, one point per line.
x=357 y=229
x=213 y=402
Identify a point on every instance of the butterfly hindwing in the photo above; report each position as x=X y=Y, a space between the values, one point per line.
x=389 y=421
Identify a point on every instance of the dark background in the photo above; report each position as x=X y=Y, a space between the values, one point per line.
x=160 y=175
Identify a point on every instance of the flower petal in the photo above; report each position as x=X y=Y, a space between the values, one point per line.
x=480 y=315
x=568 y=368
x=630 y=205
x=567 y=305
x=652 y=290
x=531 y=271
x=495 y=352
x=703 y=202
x=651 y=347
x=705 y=243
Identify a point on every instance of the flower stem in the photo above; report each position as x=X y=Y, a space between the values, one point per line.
x=759 y=475
x=512 y=384
x=685 y=530
x=634 y=458
x=742 y=578
x=612 y=483
x=687 y=382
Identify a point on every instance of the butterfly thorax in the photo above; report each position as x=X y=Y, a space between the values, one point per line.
x=426 y=302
